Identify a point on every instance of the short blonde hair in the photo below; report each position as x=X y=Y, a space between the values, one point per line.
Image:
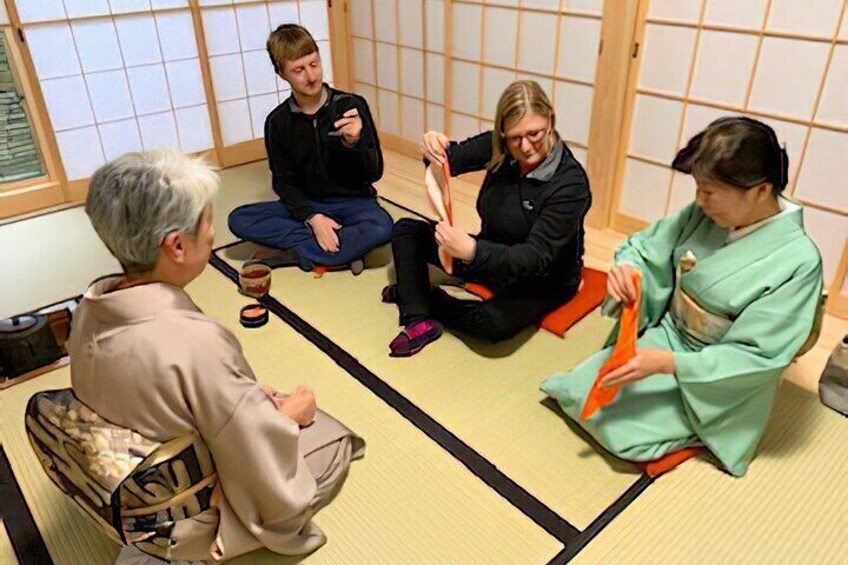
x=519 y=99
x=139 y=198
x=289 y=42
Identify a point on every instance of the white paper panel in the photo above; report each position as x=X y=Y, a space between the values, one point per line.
x=363 y=60
x=655 y=125
x=743 y=15
x=666 y=58
x=833 y=107
x=578 y=48
x=412 y=118
x=119 y=138
x=412 y=72
x=139 y=40
x=158 y=130
x=825 y=170
x=411 y=16
x=389 y=111
x=723 y=68
x=235 y=121
x=538 y=42
x=435 y=78
x=466 y=87
x=495 y=82
x=360 y=17
x=80 y=151
x=387 y=69
x=385 y=20
x=466 y=31
x=817 y=18
x=110 y=96
x=679 y=10
x=573 y=105
x=501 y=35
x=53 y=51
x=194 y=129
x=780 y=58
x=435 y=13
x=645 y=189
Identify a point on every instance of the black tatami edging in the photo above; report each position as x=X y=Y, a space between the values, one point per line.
x=571 y=550
x=26 y=540
x=402 y=207
x=525 y=502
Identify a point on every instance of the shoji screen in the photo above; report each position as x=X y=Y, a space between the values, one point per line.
x=417 y=78
x=117 y=76
x=554 y=42
x=246 y=88
x=399 y=64
x=782 y=61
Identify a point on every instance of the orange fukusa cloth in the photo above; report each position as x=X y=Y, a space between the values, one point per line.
x=624 y=351
x=441 y=203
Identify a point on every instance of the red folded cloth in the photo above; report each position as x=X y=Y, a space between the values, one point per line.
x=668 y=462
x=624 y=351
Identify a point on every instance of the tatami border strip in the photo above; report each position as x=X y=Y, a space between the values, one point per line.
x=26 y=540
x=525 y=502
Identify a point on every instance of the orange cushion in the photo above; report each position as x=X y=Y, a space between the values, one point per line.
x=668 y=462
x=558 y=321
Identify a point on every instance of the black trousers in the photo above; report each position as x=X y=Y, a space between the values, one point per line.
x=414 y=248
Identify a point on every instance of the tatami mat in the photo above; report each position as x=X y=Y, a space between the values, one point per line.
x=408 y=501
x=789 y=508
x=485 y=394
x=7 y=553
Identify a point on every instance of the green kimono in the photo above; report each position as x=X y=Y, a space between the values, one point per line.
x=734 y=322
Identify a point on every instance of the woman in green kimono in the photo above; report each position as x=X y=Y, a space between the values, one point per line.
x=730 y=290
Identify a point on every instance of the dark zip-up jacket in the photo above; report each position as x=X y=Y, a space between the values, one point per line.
x=309 y=164
x=531 y=238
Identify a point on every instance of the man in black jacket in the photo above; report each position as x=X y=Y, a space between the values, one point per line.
x=324 y=155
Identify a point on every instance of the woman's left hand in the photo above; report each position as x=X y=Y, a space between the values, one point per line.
x=455 y=241
x=646 y=363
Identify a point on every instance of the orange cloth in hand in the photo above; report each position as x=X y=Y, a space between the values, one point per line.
x=624 y=351
x=444 y=256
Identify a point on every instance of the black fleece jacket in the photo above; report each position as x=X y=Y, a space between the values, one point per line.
x=309 y=164
x=531 y=238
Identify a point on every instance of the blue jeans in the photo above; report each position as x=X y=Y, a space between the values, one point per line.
x=365 y=226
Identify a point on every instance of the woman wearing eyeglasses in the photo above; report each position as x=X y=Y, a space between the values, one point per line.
x=530 y=246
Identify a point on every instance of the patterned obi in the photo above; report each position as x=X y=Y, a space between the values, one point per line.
x=135 y=489
x=697 y=325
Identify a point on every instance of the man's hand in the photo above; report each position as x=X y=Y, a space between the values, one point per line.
x=325 y=229
x=349 y=126
x=620 y=283
x=434 y=146
x=646 y=363
x=455 y=241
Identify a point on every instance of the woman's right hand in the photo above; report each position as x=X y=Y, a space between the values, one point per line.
x=620 y=283
x=434 y=145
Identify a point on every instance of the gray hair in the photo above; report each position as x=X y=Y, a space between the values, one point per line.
x=136 y=200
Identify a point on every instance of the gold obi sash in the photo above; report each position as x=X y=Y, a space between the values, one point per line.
x=689 y=317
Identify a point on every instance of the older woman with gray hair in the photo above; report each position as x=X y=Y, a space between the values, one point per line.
x=145 y=357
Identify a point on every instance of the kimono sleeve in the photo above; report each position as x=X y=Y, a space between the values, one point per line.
x=265 y=481
x=651 y=252
x=728 y=388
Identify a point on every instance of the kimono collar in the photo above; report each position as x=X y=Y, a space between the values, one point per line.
x=786 y=208
x=136 y=303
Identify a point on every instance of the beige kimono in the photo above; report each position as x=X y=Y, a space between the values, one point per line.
x=146 y=358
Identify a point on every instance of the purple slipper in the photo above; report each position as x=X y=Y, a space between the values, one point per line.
x=414 y=338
